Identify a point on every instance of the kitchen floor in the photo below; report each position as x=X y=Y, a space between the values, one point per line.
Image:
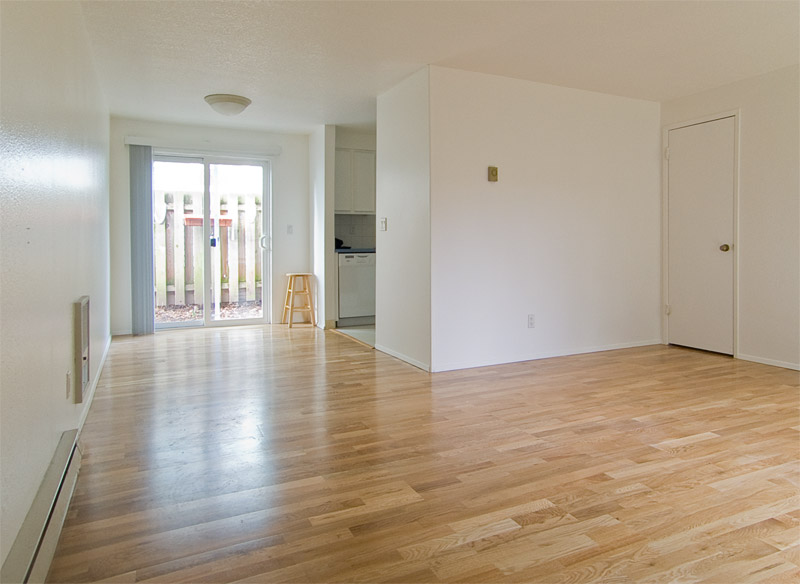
x=364 y=333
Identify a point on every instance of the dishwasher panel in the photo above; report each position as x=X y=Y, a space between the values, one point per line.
x=356 y=284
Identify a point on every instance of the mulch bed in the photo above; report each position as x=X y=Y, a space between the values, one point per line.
x=228 y=311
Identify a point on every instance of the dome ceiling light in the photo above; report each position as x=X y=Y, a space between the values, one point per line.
x=227 y=104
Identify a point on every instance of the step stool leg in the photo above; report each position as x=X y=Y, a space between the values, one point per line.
x=307 y=284
x=291 y=304
x=286 y=300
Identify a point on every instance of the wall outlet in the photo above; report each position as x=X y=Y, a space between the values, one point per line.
x=531 y=321
x=289 y=229
x=69 y=383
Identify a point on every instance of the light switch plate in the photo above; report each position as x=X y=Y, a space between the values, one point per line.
x=492 y=174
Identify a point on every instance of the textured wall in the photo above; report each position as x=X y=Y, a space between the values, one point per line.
x=54 y=230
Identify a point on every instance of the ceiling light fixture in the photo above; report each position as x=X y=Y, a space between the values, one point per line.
x=227 y=104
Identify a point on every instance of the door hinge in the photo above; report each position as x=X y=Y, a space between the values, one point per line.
x=666 y=153
x=667 y=309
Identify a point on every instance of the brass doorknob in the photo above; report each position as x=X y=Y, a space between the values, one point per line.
x=724 y=247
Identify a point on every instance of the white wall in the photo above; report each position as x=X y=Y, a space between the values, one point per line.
x=321 y=152
x=54 y=230
x=403 y=271
x=290 y=200
x=569 y=233
x=769 y=208
x=358 y=140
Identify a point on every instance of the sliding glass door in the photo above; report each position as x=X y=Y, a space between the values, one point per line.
x=178 y=243
x=237 y=241
x=211 y=241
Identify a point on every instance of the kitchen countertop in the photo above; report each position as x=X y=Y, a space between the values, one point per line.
x=356 y=250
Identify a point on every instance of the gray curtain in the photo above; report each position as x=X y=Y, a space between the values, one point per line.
x=142 y=272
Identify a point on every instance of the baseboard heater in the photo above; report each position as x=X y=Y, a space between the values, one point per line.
x=30 y=556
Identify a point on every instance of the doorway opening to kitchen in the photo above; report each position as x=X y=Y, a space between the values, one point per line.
x=211 y=240
x=356 y=259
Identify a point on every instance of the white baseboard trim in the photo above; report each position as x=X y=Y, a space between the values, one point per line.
x=773 y=362
x=544 y=355
x=90 y=394
x=406 y=358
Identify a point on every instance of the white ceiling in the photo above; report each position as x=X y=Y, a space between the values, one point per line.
x=306 y=63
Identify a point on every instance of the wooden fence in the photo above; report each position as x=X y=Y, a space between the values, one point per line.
x=178 y=244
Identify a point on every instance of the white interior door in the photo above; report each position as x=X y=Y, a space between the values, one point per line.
x=701 y=182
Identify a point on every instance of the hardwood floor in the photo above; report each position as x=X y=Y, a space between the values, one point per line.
x=263 y=454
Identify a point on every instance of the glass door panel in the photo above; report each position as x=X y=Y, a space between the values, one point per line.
x=236 y=241
x=178 y=242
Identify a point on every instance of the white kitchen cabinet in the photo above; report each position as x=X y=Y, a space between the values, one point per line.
x=343 y=190
x=355 y=181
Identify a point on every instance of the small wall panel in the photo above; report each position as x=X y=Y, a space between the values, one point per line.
x=81 y=348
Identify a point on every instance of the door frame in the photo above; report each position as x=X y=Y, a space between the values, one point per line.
x=207 y=159
x=736 y=115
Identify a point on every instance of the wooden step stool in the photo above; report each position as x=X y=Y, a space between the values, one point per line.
x=298 y=285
